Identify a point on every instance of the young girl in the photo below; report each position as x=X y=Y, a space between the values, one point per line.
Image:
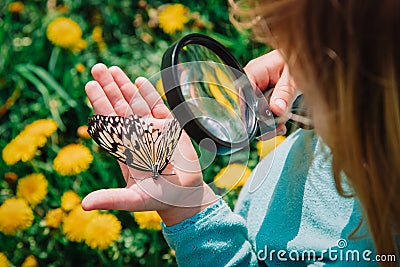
x=309 y=208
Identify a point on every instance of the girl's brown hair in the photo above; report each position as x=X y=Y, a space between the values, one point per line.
x=348 y=54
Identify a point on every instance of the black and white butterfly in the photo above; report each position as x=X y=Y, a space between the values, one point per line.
x=136 y=143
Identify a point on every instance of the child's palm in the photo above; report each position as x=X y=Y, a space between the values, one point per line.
x=112 y=93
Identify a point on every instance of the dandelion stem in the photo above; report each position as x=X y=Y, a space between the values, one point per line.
x=102 y=257
x=155 y=249
x=53 y=59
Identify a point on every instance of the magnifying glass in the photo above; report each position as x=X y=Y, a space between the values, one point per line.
x=213 y=99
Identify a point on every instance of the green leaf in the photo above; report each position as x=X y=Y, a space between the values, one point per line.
x=24 y=72
x=55 y=53
x=52 y=83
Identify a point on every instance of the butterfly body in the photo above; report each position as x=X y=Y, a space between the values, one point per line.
x=136 y=143
x=156 y=170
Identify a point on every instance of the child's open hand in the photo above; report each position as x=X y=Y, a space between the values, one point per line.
x=175 y=197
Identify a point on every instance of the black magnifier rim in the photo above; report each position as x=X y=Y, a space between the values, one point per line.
x=171 y=81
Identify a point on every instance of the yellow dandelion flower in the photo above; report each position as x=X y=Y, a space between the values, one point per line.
x=10 y=177
x=224 y=95
x=64 y=32
x=82 y=132
x=173 y=18
x=15 y=215
x=102 y=46
x=70 y=200
x=103 y=230
x=16 y=7
x=22 y=147
x=54 y=217
x=80 y=67
x=265 y=147
x=148 y=220
x=33 y=188
x=30 y=261
x=232 y=176
x=43 y=127
x=62 y=8
x=72 y=159
x=3 y=260
x=79 y=46
x=76 y=222
x=97 y=34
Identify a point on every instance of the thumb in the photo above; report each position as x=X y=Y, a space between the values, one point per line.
x=284 y=93
x=113 y=199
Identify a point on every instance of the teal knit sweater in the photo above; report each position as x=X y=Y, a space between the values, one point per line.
x=288 y=214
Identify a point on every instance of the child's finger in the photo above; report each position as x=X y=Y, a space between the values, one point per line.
x=97 y=97
x=103 y=76
x=265 y=71
x=152 y=98
x=130 y=92
x=284 y=94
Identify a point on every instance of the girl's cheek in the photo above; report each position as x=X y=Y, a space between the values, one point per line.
x=318 y=110
x=320 y=114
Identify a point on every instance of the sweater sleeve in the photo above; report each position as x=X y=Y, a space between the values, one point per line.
x=214 y=237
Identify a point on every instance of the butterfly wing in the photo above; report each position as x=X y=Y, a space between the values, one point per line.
x=112 y=134
x=140 y=140
x=134 y=142
x=107 y=132
x=169 y=140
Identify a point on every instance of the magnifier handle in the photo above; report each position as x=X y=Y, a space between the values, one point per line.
x=298 y=115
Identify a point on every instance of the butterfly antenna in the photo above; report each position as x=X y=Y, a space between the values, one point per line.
x=140 y=179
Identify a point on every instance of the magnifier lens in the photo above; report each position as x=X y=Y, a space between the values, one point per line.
x=212 y=93
x=211 y=96
x=196 y=52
